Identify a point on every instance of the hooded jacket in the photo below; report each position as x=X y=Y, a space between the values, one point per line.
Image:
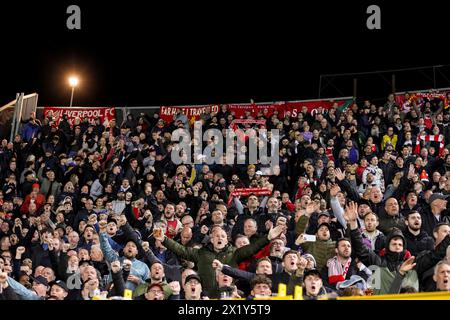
x=389 y=262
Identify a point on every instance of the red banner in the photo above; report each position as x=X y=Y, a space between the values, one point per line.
x=419 y=98
x=105 y=114
x=267 y=109
x=247 y=192
x=167 y=113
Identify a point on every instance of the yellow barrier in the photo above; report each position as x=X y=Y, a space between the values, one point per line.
x=404 y=296
x=298 y=295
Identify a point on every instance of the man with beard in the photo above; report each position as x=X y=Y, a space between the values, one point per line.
x=174 y=225
x=158 y=276
x=373 y=238
x=139 y=270
x=341 y=267
x=417 y=240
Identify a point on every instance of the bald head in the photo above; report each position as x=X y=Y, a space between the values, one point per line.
x=186 y=235
x=391 y=207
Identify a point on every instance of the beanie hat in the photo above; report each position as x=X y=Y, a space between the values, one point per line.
x=424 y=176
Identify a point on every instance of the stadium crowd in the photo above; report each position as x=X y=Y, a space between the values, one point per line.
x=357 y=206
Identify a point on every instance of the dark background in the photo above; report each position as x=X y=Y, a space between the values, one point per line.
x=128 y=54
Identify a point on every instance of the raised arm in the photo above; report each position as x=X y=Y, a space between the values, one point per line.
x=349 y=189
x=336 y=206
x=109 y=253
x=233 y=272
x=238 y=205
x=23 y=292
x=368 y=257
x=187 y=253
x=251 y=249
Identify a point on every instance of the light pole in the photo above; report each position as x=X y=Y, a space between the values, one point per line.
x=73 y=82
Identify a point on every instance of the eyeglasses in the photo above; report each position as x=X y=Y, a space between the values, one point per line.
x=155 y=291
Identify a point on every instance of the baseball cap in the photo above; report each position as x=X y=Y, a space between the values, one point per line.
x=324 y=213
x=155 y=285
x=437 y=196
x=309 y=272
x=259 y=172
x=40 y=280
x=323 y=225
x=192 y=276
x=60 y=284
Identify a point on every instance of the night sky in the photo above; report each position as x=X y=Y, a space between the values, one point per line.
x=130 y=54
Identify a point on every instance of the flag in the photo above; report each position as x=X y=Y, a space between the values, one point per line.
x=345 y=105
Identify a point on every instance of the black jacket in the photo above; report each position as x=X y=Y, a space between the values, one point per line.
x=277 y=278
x=429 y=221
x=419 y=243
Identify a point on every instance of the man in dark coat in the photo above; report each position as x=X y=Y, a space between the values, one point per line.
x=417 y=240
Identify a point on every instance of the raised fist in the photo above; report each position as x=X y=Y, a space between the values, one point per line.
x=102 y=225
x=65 y=247
x=145 y=246
x=217 y=265
x=115 y=266
x=175 y=286
x=122 y=221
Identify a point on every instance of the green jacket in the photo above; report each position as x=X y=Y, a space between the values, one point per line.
x=321 y=250
x=143 y=287
x=385 y=281
x=204 y=257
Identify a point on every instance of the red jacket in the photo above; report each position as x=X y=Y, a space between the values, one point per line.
x=39 y=200
x=264 y=252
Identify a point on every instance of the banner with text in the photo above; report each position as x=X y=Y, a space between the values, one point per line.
x=105 y=114
x=253 y=109
x=406 y=102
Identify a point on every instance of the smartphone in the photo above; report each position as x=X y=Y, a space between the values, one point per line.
x=309 y=238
